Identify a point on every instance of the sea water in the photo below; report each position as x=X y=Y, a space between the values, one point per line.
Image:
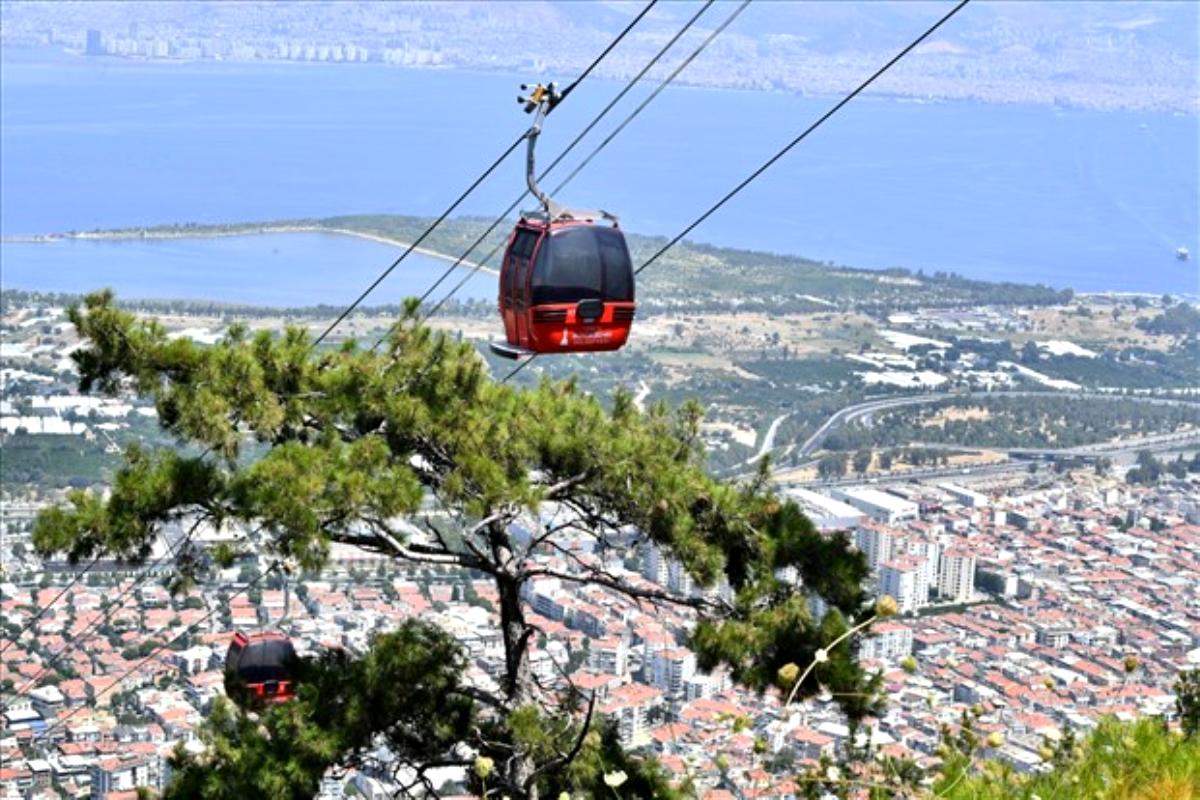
x=1069 y=197
x=274 y=269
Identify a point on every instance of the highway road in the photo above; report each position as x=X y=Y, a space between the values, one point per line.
x=1114 y=450
x=810 y=445
x=768 y=443
x=850 y=413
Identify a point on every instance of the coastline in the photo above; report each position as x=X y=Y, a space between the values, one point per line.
x=181 y=231
x=1102 y=98
x=247 y=230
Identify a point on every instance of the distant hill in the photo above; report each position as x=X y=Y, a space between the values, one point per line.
x=1093 y=54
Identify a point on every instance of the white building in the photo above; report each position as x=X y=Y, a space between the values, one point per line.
x=678 y=579
x=124 y=774
x=931 y=552
x=965 y=496
x=825 y=512
x=609 y=656
x=654 y=565
x=547 y=598
x=630 y=706
x=671 y=670
x=889 y=641
x=47 y=700
x=876 y=544
x=956 y=577
x=879 y=506
x=905 y=579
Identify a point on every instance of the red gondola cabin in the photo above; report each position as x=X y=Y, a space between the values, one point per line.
x=259 y=667
x=566 y=282
x=566 y=286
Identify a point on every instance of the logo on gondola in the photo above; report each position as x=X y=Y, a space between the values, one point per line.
x=593 y=337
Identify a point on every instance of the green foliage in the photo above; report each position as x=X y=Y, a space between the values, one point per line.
x=320 y=446
x=146 y=492
x=140 y=650
x=1131 y=368
x=832 y=465
x=552 y=738
x=763 y=639
x=406 y=689
x=806 y=371
x=1148 y=470
x=688 y=270
x=1187 y=702
x=1178 y=319
x=1118 y=761
x=52 y=460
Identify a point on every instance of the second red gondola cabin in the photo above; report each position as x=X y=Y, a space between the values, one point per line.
x=259 y=668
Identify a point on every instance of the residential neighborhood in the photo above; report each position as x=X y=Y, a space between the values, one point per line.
x=1039 y=607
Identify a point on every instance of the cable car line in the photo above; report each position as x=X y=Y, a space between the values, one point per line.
x=114 y=605
x=249 y=585
x=652 y=259
x=607 y=50
x=416 y=243
x=782 y=152
x=350 y=309
x=138 y=579
x=43 y=609
x=518 y=368
x=566 y=282
x=450 y=209
x=662 y=85
x=558 y=159
x=609 y=330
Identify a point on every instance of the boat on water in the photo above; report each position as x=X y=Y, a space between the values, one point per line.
x=1182 y=254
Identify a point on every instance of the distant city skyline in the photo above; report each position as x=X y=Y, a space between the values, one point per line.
x=1090 y=54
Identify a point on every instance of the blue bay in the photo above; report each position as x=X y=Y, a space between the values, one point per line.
x=1091 y=200
x=277 y=269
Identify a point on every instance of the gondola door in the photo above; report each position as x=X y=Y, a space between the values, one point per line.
x=514 y=284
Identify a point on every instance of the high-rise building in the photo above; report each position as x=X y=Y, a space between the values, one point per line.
x=678 y=579
x=929 y=550
x=95 y=44
x=876 y=543
x=660 y=568
x=609 y=655
x=956 y=577
x=630 y=706
x=672 y=668
x=654 y=565
x=906 y=580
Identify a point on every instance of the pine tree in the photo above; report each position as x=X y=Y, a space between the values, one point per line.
x=320 y=446
x=1187 y=701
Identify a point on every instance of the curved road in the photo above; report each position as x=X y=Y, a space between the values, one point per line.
x=768 y=440
x=813 y=442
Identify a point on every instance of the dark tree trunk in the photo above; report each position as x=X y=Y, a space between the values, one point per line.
x=518 y=682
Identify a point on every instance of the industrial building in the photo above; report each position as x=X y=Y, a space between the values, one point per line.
x=825 y=512
x=879 y=506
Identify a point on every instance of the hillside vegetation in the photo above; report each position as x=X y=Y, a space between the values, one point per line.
x=684 y=273
x=1118 y=761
